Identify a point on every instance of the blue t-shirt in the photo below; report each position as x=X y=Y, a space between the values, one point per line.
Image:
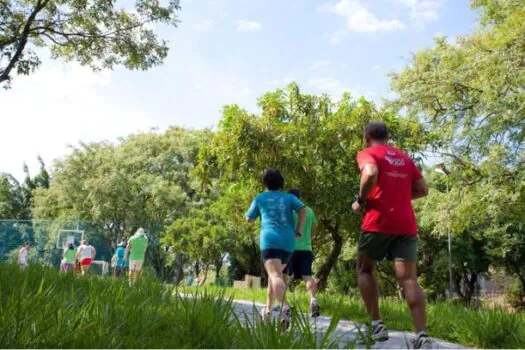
x=121 y=251
x=277 y=223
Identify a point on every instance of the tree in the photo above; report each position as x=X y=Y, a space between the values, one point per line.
x=92 y=32
x=11 y=199
x=470 y=98
x=15 y=198
x=313 y=141
x=142 y=181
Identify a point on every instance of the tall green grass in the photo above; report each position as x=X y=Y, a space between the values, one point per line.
x=40 y=308
x=482 y=328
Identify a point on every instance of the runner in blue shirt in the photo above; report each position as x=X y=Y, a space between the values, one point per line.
x=277 y=236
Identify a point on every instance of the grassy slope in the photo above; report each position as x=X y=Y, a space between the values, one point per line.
x=478 y=328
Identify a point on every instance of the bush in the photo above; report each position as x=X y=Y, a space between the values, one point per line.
x=515 y=296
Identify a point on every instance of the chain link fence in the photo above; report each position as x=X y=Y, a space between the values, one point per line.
x=48 y=238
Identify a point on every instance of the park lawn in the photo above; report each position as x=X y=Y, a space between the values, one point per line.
x=483 y=328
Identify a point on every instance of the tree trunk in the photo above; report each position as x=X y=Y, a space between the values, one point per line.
x=205 y=275
x=325 y=269
x=197 y=269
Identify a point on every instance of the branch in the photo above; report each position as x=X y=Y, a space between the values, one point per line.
x=4 y=76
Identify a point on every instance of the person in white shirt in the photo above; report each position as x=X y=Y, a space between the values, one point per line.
x=85 y=253
x=22 y=255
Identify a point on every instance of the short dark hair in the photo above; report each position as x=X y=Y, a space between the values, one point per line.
x=273 y=180
x=295 y=192
x=26 y=243
x=376 y=131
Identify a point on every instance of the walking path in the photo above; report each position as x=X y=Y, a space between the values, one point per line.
x=347 y=330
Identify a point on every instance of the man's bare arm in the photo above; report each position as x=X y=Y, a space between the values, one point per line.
x=368 y=180
x=419 y=189
x=300 y=222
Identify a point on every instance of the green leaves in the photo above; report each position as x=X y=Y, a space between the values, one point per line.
x=92 y=32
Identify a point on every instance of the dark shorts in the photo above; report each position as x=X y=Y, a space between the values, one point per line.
x=379 y=246
x=301 y=264
x=268 y=254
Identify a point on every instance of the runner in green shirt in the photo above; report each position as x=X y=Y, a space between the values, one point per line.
x=69 y=257
x=136 y=248
x=300 y=266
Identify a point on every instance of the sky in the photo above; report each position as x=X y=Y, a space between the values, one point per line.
x=222 y=52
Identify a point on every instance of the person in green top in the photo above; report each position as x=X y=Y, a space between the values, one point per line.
x=136 y=248
x=300 y=266
x=69 y=257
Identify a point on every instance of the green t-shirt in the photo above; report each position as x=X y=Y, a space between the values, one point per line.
x=305 y=241
x=70 y=256
x=137 y=247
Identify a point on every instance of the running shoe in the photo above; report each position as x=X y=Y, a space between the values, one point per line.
x=315 y=311
x=286 y=318
x=423 y=341
x=379 y=332
x=264 y=313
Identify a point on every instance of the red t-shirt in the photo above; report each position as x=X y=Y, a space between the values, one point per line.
x=389 y=204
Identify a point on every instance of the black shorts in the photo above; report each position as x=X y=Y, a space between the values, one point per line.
x=271 y=253
x=301 y=264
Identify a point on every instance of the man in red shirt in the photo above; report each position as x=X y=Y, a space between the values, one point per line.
x=389 y=182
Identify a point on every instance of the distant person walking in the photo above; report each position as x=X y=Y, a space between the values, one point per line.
x=69 y=258
x=137 y=246
x=300 y=266
x=23 y=255
x=118 y=260
x=277 y=237
x=86 y=254
x=389 y=182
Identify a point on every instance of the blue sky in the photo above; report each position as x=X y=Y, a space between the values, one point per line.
x=223 y=52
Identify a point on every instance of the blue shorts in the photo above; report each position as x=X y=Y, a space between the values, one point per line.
x=267 y=254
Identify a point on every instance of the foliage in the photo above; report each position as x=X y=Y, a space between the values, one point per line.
x=95 y=33
x=16 y=199
x=141 y=181
x=469 y=97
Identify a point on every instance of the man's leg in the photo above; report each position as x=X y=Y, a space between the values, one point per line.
x=368 y=286
x=269 y=296
x=311 y=286
x=406 y=274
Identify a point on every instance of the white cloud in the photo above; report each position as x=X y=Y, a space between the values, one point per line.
x=204 y=25
x=360 y=19
x=377 y=67
x=244 y=25
x=423 y=10
x=320 y=64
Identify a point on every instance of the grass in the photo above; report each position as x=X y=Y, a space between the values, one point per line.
x=482 y=328
x=40 y=308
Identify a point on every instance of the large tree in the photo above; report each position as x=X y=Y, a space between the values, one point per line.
x=95 y=33
x=143 y=180
x=470 y=97
x=313 y=141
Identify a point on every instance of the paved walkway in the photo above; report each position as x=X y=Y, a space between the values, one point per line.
x=347 y=330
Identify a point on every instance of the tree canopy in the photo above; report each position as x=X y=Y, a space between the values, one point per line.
x=95 y=33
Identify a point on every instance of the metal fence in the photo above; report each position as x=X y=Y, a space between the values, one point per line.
x=48 y=237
